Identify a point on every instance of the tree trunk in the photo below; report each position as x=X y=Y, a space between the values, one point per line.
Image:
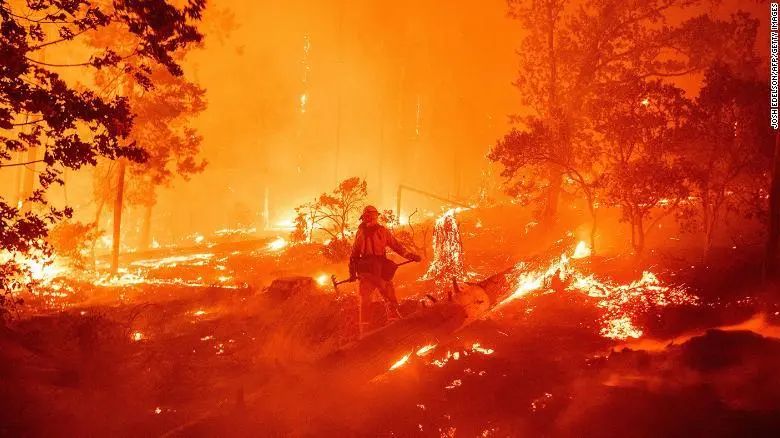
x=553 y=193
x=594 y=223
x=98 y=214
x=120 y=189
x=146 y=229
x=773 y=234
x=18 y=181
x=28 y=184
x=640 y=233
x=637 y=236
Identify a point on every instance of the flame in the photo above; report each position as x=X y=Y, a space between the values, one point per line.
x=423 y=351
x=277 y=244
x=621 y=303
x=200 y=259
x=322 y=279
x=476 y=347
x=581 y=251
x=401 y=362
x=137 y=336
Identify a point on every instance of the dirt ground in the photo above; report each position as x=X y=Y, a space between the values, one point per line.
x=204 y=356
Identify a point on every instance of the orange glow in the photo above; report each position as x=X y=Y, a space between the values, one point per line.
x=277 y=244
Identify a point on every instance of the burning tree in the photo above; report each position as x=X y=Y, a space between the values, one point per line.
x=74 y=127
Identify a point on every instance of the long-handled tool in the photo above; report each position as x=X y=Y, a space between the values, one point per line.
x=337 y=283
x=387 y=273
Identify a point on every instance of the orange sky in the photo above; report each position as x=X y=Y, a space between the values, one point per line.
x=408 y=92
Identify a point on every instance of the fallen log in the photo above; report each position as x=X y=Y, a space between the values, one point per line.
x=378 y=351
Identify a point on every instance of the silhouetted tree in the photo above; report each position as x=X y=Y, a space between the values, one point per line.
x=727 y=148
x=640 y=122
x=573 y=50
x=74 y=126
x=332 y=212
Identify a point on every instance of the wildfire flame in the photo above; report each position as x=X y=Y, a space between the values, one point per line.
x=581 y=251
x=401 y=362
x=277 y=244
x=622 y=303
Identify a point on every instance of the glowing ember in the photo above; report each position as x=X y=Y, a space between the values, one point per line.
x=189 y=260
x=475 y=348
x=401 y=362
x=199 y=312
x=137 y=336
x=479 y=349
x=277 y=244
x=455 y=383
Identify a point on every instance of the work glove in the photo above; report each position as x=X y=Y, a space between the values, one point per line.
x=414 y=257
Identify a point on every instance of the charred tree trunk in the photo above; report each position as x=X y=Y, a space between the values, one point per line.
x=773 y=234
x=118 y=201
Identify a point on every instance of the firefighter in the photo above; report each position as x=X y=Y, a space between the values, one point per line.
x=369 y=264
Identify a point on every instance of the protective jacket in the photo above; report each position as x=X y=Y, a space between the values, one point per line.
x=369 y=252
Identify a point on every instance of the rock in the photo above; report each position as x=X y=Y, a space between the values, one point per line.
x=285 y=288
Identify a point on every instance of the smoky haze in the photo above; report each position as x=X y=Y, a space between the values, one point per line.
x=305 y=93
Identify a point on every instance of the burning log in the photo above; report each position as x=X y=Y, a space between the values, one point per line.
x=378 y=351
x=499 y=286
